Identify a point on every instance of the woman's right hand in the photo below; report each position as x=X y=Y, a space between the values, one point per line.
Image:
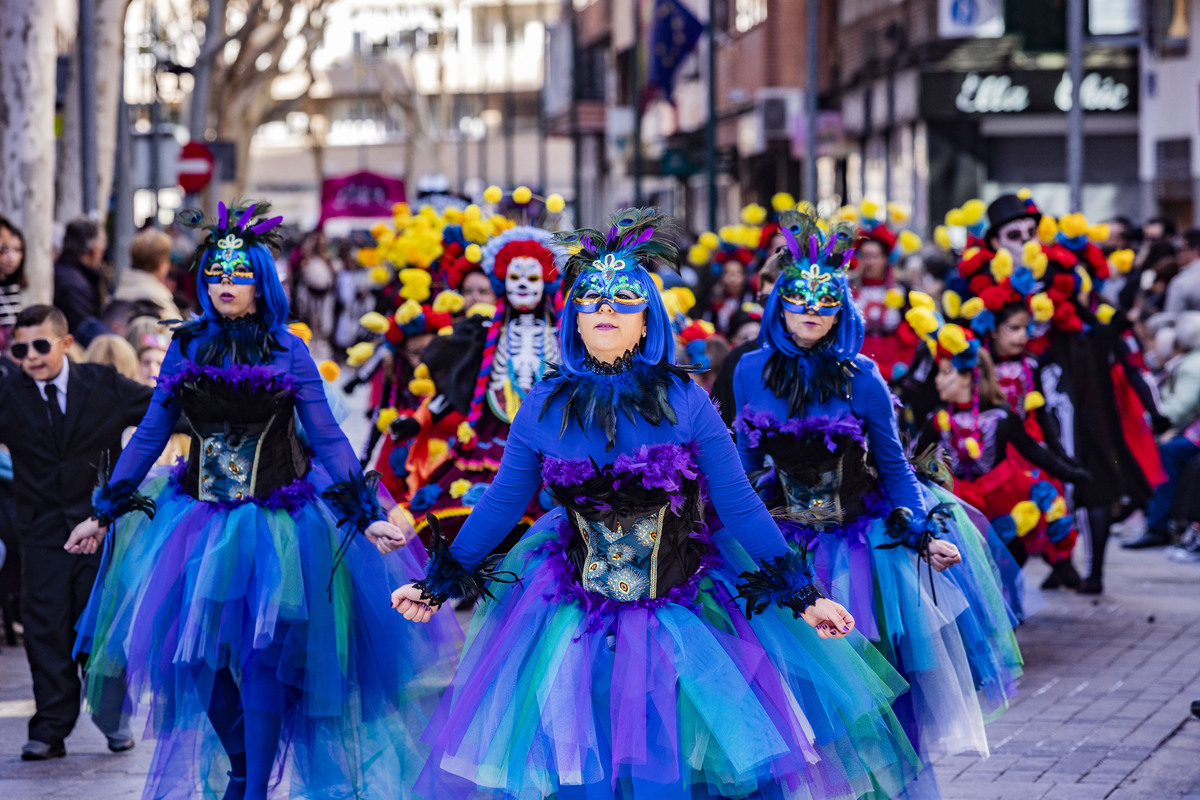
x=86 y=538
x=407 y=601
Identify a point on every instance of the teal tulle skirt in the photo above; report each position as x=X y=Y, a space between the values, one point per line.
x=202 y=594
x=565 y=694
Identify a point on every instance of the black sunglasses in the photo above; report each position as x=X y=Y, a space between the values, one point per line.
x=20 y=350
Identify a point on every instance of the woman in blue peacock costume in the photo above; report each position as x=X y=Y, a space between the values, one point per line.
x=243 y=601
x=644 y=651
x=841 y=483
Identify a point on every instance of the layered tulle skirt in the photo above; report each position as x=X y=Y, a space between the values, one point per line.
x=950 y=634
x=193 y=601
x=566 y=694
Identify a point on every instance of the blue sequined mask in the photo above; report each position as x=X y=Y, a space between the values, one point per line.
x=811 y=290
x=609 y=282
x=231 y=261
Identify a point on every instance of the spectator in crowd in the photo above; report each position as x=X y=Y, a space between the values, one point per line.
x=1180 y=403
x=722 y=385
x=314 y=287
x=1183 y=292
x=12 y=278
x=114 y=351
x=58 y=420
x=1122 y=235
x=1158 y=229
x=149 y=268
x=355 y=296
x=733 y=289
x=150 y=340
x=80 y=287
x=1146 y=285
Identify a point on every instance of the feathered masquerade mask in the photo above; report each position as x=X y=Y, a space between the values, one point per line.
x=601 y=267
x=812 y=271
x=225 y=251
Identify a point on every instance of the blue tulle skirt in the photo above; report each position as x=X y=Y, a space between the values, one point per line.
x=566 y=694
x=950 y=634
x=202 y=594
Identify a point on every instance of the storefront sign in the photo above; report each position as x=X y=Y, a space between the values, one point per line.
x=945 y=95
x=363 y=194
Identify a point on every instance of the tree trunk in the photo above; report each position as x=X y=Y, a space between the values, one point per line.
x=69 y=164
x=27 y=67
x=110 y=52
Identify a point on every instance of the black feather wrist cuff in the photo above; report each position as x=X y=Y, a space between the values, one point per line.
x=446 y=578
x=784 y=581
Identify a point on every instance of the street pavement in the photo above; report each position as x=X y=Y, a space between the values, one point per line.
x=1102 y=713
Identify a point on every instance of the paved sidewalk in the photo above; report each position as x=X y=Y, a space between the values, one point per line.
x=1103 y=709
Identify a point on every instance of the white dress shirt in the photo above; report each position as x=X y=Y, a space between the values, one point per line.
x=60 y=383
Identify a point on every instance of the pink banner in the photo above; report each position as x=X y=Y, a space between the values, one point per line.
x=362 y=194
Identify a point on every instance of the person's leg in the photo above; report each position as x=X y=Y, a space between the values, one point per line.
x=1175 y=456
x=49 y=639
x=110 y=714
x=225 y=715
x=1098 y=521
x=262 y=702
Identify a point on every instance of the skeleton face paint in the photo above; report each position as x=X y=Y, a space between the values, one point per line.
x=1013 y=235
x=523 y=284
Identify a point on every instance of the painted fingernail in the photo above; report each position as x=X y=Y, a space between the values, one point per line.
x=847 y=629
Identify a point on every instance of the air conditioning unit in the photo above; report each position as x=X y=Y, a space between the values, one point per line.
x=771 y=120
x=778 y=108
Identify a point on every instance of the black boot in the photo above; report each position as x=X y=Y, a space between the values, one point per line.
x=1098 y=523
x=1062 y=573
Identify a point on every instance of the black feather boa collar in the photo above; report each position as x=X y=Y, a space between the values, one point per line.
x=627 y=388
x=244 y=340
x=813 y=376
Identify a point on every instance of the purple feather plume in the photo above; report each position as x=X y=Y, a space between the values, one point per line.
x=247 y=215
x=267 y=225
x=222 y=216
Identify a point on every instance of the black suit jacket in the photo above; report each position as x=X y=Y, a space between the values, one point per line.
x=53 y=481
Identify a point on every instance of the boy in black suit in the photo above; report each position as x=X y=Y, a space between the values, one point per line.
x=57 y=418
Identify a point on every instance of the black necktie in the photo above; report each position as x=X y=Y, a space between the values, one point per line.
x=56 y=414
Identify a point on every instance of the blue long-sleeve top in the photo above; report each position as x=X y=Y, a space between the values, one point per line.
x=534 y=435
x=870 y=402
x=324 y=434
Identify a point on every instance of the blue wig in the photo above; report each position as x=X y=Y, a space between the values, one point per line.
x=269 y=295
x=634 y=239
x=847 y=337
x=246 y=228
x=813 y=267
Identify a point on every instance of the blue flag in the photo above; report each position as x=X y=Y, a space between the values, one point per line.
x=673 y=35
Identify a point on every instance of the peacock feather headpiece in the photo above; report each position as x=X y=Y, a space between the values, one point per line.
x=224 y=251
x=636 y=238
x=812 y=270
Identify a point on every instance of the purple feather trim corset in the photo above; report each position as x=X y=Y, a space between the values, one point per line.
x=244 y=440
x=824 y=475
x=633 y=531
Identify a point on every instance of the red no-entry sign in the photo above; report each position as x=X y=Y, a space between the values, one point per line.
x=195 y=166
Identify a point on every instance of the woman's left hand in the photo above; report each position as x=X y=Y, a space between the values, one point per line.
x=387 y=537
x=943 y=554
x=830 y=620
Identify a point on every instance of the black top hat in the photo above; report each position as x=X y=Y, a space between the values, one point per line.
x=1006 y=208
